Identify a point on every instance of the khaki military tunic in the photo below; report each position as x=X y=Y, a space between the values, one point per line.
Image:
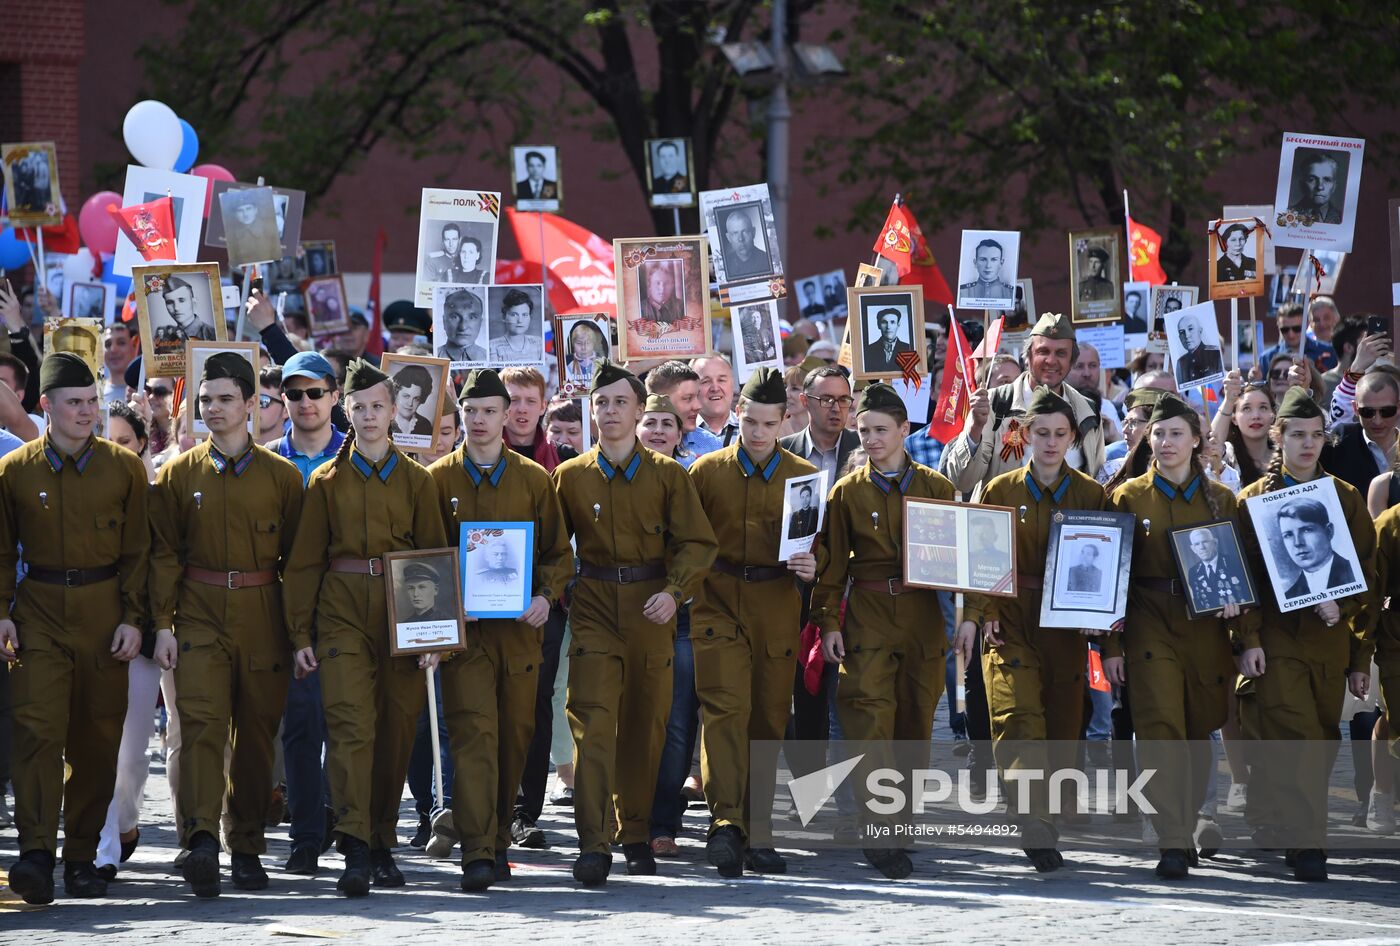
x=1299 y=697
x=355 y=509
x=488 y=693
x=68 y=696
x=641 y=512
x=233 y=515
x=1179 y=671
x=744 y=633
x=1035 y=677
x=1387 y=624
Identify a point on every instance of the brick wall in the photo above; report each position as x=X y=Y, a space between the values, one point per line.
x=42 y=49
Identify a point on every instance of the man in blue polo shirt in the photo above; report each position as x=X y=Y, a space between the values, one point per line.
x=310 y=395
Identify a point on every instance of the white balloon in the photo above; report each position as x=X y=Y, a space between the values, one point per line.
x=153 y=135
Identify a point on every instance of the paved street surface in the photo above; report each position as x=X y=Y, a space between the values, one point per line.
x=965 y=895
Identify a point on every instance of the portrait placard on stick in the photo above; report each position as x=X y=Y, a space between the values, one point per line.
x=745 y=263
x=960 y=547
x=497 y=568
x=31 y=184
x=186 y=192
x=539 y=182
x=1086 y=571
x=1268 y=260
x=326 y=308
x=581 y=342
x=1236 y=247
x=176 y=303
x=756 y=338
x=1096 y=267
x=515 y=322
x=1302 y=532
x=987 y=269
x=425 y=602
x=887 y=326
x=196 y=354
x=456 y=240
x=1193 y=341
x=823 y=297
x=420 y=384
x=663 y=308
x=671 y=171
x=1319 y=182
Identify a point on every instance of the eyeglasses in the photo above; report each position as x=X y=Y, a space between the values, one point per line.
x=1290 y=329
x=1278 y=374
x=1387 y=412
x=156 y=390
x=1251 y=386
x=295 y=394
x=267 y=400
x=827 y=403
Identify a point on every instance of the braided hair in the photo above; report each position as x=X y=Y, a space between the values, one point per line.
x=343 y=454
x=1141 y=457
x=1273 y=474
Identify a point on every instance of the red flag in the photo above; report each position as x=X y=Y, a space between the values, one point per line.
x=923 y=267
x=1097 y=680
x=955 y=393
x=63 y=238
x=991 y=342
x=896 y=241
x=1145 y=252
x=575 y=255
x=150 y=227
x=375 y=344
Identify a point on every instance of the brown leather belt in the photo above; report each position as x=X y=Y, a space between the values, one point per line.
x=1030 y=582
x=359 y=566
x=622 y=574
x=70 y=577
x=752 y=572
x=1166 y=585
x=888 y=586
x=231 y=580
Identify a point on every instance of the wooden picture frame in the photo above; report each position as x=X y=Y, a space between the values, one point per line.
x=428 y=409
x=161 y=303
x=83 y=337
x=196 y=353
x=31 y=184
x=1096 y=295
x=575 y=381
x=678 y=326
x=865 y=305
x=1226 y=278
x=438 y=626
x=325 y=296
x=939 y=552
x=1230 y=576
x=308 y=250
x=1081 y=590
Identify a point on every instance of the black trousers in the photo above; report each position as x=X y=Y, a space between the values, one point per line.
x=530 y=800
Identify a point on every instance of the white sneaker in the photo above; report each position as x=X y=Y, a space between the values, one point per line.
x=1237 y=797
x=1380 y=813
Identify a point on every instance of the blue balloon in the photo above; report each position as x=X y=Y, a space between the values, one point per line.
x=122 y=283
x=13 y=252
x=189 y=150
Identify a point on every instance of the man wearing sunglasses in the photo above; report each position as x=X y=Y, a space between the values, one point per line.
x=308 y=391
x=1292 y=340
x=272 y=412
x=1362 y=448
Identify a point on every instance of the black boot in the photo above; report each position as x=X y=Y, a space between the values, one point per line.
x=247 y=872
x=764 y=860
x=383 y=869
x=725 y=850
x=1174 y=865
x=640 y=860
x=478 y=875
x=891 y=862
x=32 y=877
x=1310 y=864
x=424 y=832
x=201 y=868
x=305 y=859
x=592 y=870
x=81 y=880
x=354 y=880
x=502 y=866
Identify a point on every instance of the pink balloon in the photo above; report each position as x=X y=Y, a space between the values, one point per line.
x=211 y=173
x=98 y=227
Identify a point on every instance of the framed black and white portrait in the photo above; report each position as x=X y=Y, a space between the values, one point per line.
x=1169 y=299
x=318 y=258
x=1096 y=267
x=459 y=326
x=285 y=214
x=539 y=184
x=31 y=184
x=587 y=341
x=515 y=321
x=987 y=269
x=1319 y=183
x=249 y=219
x=90 y=300
x=456 y=240
x=196 y=354
x=419 y=384
x=822 y=298
x=671 y=171
x=326 y=308
x=187 y=193
x=1308 y=551
x=745 y=264
x=497 y=568
x=1235 y=248
x=1193 y=344
x=1268 y=260
x=804 y=511
x=1212 y=568
x=176 y=303
x=1089 y=555
x=1137 y=308
x=424 y=601
x=955 y=546
x=888 y=332
x=756 y=337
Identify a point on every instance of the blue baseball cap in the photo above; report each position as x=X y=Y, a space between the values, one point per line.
x=307 y=364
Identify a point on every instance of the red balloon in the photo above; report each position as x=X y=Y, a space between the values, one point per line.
x=211 y=173
x=97 y=226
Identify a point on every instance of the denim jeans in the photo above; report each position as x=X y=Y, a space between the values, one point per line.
x=1100 y=725
x=420 y=762
x=956 y=721
x=303 y=747
x=667 y=806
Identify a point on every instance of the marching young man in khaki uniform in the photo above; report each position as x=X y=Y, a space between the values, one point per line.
x=892 y=665
x=644 y=545
x=744 y=628
x=77 y=505
x=370 y=500
x=488 y=693
x=222 y=520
